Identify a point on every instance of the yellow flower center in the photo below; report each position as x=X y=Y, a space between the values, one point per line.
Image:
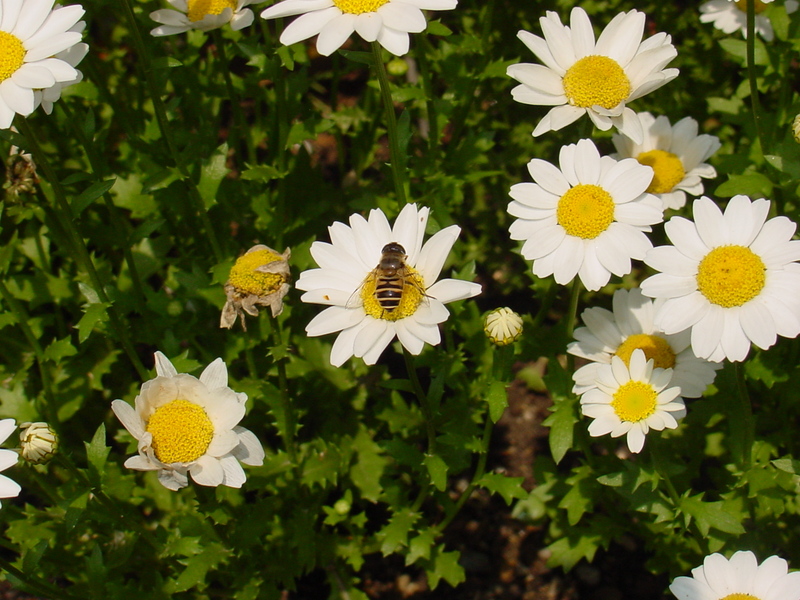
x=199 y=9
x=596 y=80
x=12 y=54
x=381 y=294
x=181 y=432
x=731 y=276
x=585 y=211
x=246 y=280
x=667 y=170
x=759 y=6
x=357 y=7
x=653 y=346
x=740 y=597
x=634 y=401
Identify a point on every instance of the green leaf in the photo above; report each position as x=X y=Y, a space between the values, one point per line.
x=561 y=423
x=262 y=173
x=165 y=62
x=211 y=175
x=197 y=567
x=395 y=533
x=97 y=451
x=365 y=58
x=420 y=546
x=366 y=473
x=93 y=314
x=436 y=28
x=754 y=185
x=508 y=487
x=59 y=349
x=447 y=567
x=711 y=514
x=322 y=467
x=437 y=469
x=497 y=397
x=788 y=465
x=568 y=551
x=89 y=195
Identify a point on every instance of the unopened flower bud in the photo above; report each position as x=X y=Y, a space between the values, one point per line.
x=38 y=442
x=503 y=326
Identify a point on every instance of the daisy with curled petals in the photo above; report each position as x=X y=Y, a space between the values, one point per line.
x=587 y=218
x=598 y=78
x=730 y=278
x=186 y=425
x=380 y=282
x=741 y=577
x=386 y=21
x=32 y=35
x=675 y=153
x=204 y=15
x=730 y=16
x=8 y=458
x=628 y=328
x=632 y=399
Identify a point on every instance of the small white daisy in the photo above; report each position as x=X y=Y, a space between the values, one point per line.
x=731 y=278
x=740 y=577
x=33 y=38
x=630 y=327
x=728 y=16
x=186 y=425
x=380 y=282
x=676 y=154
x=587 y=219
x=386 y=21
x=632 y=400
x=73 y=56
x=204 y=15
x=8 y=458
x=580 y=76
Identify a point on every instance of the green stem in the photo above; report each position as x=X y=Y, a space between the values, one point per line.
x=35 y=585
x=751 y=74
x=430 y=105
x=283 y=385
x=63 y=214
x=22 y=320
x=240 y=127
x=166 y=131
x=572 y=316
x=746 y=426
x=422 y=397
x=391 y=126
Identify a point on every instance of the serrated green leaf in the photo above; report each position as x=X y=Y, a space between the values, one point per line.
x=262 y=173
x=197 y=567
x=165 y=62
x=367 y=472
x=436 y=28
x=561 y=423
x=420 y=546
x=59 y=349
x=212 y=173
x=497 y=397
x=508 y=487
x=567 y=552
x=97 y=451
x=89 y=195
x=322 y=467
x=754 y=185
x=394 y=534
x=93 y=314
x=445 y=566
x=437 y=469
x=788 y=465
x=711 y=514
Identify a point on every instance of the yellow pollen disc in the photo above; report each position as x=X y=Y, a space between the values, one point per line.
x=12 y=55
x=199 y=9
x=246 y=280
x=740 y=597
x=759 y=6
x=634 y=401
x=181 y=432
x=667 y=170
x=731 y=276
x=585 y=211
x=653 y=346
x=357 y=7
x=596 y=80
x=410 y=298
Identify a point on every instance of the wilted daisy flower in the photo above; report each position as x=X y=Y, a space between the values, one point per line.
x=201 y=14
x=740 y=577
x=32 y=36
x=386 y=21
x=380 y=283
x=730 y=16
x=186 y=425
x=588 y=219
x=502 y=326
x=580 y=76
x=675 y=153
x=732 y=279
x=258 y=278
x=632 y=399
x=38 y=442
x=8 y=487
x=630 y=327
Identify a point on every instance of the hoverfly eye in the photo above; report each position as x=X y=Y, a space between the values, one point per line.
x=393 y=247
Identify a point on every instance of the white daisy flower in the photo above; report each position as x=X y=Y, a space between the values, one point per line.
x=380 y=283
x=580 y=76
x=675 y=153
x=189 y=425
x=739 y=577
x=730 y=278
x=632 y=400
x=386 y=21
x=8 y=458
x=630 y=327
x=73 y=56
x=587 y=219
x=728 y=16
x=32 y=35
x=204 y=15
